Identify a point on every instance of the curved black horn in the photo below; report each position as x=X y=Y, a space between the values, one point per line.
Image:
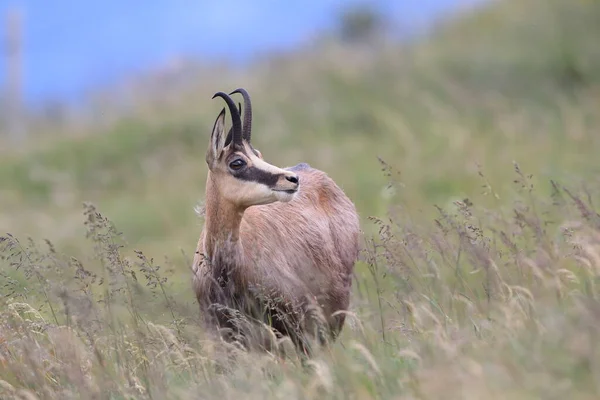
x=247 y=128
x=235 y=117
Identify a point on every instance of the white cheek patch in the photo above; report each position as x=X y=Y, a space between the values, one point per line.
x=247 y=192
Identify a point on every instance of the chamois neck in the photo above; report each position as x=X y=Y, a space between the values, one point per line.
x=222 y=221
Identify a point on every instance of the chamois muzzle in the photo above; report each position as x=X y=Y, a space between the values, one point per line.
x=294 y=179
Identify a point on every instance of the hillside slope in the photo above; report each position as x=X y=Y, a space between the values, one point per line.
x=512 y=81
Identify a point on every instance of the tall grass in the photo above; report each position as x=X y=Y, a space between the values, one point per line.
x=474 y=303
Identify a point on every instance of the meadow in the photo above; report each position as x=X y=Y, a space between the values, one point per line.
x=470 y=155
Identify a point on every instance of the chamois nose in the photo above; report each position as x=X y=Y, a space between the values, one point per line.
x=293 y=178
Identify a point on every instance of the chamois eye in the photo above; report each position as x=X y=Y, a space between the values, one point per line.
x=237 y=164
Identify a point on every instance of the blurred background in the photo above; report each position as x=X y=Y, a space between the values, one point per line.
x=110 y=102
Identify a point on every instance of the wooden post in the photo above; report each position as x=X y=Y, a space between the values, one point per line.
x=14 y=68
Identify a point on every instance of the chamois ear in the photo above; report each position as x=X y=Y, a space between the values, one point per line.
x=258 y=153
x=217 y=139
x=229 y=137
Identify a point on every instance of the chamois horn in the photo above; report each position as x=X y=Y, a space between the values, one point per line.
x=235 y=118
x=247 y=128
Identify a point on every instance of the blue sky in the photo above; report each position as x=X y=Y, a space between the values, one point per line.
x=71 y=46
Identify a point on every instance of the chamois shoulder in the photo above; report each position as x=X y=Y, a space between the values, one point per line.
x=313 y=178
x=299 y=167
x=319 y=187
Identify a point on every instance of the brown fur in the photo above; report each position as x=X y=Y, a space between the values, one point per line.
x=300 y=252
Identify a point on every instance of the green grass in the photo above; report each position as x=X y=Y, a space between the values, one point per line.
x=496 y=295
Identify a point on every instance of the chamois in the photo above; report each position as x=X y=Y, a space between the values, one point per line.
x=278 y=246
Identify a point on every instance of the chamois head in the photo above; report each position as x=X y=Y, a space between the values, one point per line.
x=237 y=170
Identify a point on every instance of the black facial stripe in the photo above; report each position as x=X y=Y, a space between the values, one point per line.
x=258 y=175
